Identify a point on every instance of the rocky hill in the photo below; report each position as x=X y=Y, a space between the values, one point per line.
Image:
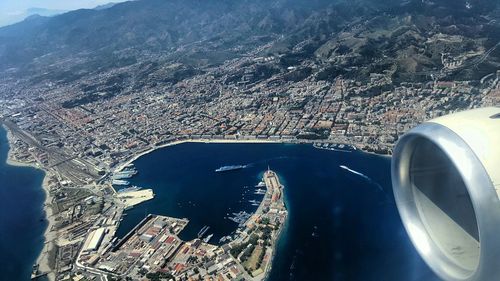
x=175 y=39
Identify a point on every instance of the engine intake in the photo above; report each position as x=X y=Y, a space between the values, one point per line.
x=446 y=181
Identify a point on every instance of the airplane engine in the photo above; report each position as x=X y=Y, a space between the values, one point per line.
x=446 y=182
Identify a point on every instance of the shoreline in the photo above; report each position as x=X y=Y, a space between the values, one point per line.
x=120 y=166
x=43 y=260
x=49 y=236
x=282 y=230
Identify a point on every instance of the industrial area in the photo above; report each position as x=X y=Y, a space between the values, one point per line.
x=153 y=249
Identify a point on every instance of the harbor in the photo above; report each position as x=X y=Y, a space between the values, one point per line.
x=121 y=176
x=305 y=235
x=125 y=194
x=154 y=244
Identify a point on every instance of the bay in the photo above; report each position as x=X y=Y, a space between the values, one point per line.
x=341 y=226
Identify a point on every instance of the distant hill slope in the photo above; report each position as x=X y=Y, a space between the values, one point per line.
x=402 y=37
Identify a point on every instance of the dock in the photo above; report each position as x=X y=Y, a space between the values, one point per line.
x=154 y=243
x=132 y=198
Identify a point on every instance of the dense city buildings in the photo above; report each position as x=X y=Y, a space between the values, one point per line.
x=84 y=94
x=81 y=146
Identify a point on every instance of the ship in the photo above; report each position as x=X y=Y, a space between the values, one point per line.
x=203 y=230
x=128 y=189
x=120 y=182
x=260 y=191
x=230 y=168
x=121 y=176
x=207 y=239
x=240 y=218
x=125 y=174
x=261 y=184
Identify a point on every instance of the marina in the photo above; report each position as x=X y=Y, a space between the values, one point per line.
x=340 y=147
x=254 y=202
x=181 y=194
x=260 y=191
x=157 y=242
x=240 y=218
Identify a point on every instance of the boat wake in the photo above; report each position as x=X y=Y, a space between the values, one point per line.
x=367 y=178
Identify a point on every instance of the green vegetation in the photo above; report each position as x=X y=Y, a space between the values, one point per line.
x=261 y=257
x=236 y=250
x=248 y=252
x=254 y=260
x=253 y=239
x=265 y=221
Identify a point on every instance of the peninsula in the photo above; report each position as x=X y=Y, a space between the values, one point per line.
x=152 y=249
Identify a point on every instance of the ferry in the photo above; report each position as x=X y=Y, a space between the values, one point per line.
x=121 y=176
x=127 y=189
x=120 y=182
x=125 y=174
x=230 y=168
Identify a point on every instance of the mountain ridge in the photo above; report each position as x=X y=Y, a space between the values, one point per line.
x=200 y=34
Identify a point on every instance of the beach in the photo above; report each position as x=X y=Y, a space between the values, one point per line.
x=44 y=259
x=306 y=235
x=45 y=265
x=50 y=236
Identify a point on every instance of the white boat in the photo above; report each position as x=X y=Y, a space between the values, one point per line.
x=120 y=182
x=261 y=184
x=207 y=239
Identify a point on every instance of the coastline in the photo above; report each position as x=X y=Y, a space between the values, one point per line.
x=43 y=261
x=152 y=149
x=49 y=235
x=122 y=165
x=282 y=230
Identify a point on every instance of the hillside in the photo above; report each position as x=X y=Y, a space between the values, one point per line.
x=408 y=41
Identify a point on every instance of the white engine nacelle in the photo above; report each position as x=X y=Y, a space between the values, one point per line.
x=446 y=181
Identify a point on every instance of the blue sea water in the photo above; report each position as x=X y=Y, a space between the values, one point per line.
x=22 y=219
x=341 y=225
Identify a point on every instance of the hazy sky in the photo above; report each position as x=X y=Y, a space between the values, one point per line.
x=15 y=10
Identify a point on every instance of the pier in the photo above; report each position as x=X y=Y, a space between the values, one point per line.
x=154 y=243
x=132 y=198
